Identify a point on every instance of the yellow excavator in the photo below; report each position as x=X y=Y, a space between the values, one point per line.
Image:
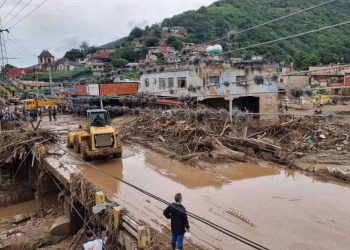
x=97 y=139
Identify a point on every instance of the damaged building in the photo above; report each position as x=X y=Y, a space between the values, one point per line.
x=248 y=85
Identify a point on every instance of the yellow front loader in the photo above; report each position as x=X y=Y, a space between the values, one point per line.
x=97 y=139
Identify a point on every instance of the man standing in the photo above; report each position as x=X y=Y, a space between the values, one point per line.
x=286 y=103
x=179 y=223
x=50 y=114
x=92 y=243
x=54 y=113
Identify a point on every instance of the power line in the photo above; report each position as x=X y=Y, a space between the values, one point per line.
x=27 y=51
x=288 y=37
x=71 y=203
x=19 y=12
x=20 y=50
x=277 y=19
x=12 y=9
x=3 y=4
x=252 y=79
x=192 y=215
x=42 y=3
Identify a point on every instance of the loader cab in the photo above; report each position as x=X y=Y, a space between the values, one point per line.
x=98 y=118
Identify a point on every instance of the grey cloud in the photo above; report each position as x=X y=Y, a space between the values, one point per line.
x=60 y=25
x=134 y=23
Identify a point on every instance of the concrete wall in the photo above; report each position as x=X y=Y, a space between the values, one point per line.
x=295 y=81
x=269 y=106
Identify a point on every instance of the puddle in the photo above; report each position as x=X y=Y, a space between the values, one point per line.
x=276 y=208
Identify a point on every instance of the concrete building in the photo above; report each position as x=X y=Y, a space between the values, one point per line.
x=290 y=81
x=247 y=86
x=64 y=64
x=45 y=58
x=97 y=66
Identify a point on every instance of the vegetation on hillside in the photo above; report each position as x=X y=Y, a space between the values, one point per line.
x=209 y=23
x=58 y=76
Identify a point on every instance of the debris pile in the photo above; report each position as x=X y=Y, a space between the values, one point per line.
x=15 y=144
x=202 y=136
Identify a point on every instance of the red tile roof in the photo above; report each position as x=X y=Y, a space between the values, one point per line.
x=17 y=72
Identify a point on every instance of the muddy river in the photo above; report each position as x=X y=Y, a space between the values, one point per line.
x=277 y=208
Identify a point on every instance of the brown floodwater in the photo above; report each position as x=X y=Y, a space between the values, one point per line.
x=277 y=208
x=27 y=207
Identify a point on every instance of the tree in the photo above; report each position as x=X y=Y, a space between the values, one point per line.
x=118 y=62
x=160 y=59
x=84 y=47
x=92 y=49
x=152 y=42
x=176 y=43
x=136 y=32
x=9 y=66
x=74 y=54
x=157 y=31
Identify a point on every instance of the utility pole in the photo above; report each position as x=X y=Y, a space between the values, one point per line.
x=2 y=43
x=50 y=77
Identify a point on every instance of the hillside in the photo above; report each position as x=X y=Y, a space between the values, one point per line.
x=209 y=23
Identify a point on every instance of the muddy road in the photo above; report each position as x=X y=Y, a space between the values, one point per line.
x=277 y=208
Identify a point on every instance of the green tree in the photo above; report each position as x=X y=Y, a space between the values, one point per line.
x=157 y=31
x=136 y=32
x=152 y=42
x=9 y=66
x=160 y=59
x=176 y=43
x=92 y=50
x=84 y=47
x=118 y=62
x=74 y=54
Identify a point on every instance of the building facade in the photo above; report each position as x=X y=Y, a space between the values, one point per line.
x=247 y=86
x=45 y=58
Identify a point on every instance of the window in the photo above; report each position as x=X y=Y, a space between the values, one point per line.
x=146 y=82
x=214 y=80
x=241 y=80
x=181 y=82
x=170 y=82
x=162 y=83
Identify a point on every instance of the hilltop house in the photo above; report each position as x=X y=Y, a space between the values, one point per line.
x=65 y=64
x=45 y=58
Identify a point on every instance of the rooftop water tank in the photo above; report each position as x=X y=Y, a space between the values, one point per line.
x=216 y=49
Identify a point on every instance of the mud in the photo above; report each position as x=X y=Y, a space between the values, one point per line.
x=278 y=208
x=27 y=207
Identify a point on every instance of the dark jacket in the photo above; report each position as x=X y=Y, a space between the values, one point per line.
x=177 y=213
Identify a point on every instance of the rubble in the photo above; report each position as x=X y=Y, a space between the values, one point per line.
x=15 y=144
x=207 y=136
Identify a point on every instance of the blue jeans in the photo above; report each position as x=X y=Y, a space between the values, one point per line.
x=177 y=238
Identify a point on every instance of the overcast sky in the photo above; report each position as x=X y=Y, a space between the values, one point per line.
x=60 y=25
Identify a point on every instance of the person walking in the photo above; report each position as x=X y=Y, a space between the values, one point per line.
x=54 y=114
x=50 y=114
x=92 y=243
x=176 y=212
x=286 y=103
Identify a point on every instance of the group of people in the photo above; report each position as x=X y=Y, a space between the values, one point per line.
x=22 y=114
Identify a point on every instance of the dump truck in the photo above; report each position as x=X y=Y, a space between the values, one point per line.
x=40 y=103
x=97 y=139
